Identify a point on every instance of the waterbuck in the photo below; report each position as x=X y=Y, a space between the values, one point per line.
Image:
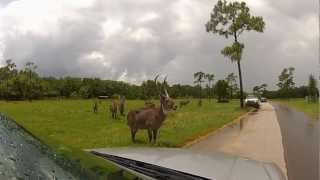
x=121 y=105
x=149 y=104
x=184 y=103
x=95 y=107
x=150 y=119
x=114 y=109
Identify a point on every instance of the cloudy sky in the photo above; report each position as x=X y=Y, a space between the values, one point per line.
x=134 y=40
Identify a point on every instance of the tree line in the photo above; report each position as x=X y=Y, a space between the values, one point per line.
x=287 y=87
x=227 y=88
x=27 y=84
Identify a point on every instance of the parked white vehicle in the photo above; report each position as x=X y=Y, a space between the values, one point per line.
x=253 y=101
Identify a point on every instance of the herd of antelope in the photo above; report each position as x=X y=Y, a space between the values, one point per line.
x=150 y=117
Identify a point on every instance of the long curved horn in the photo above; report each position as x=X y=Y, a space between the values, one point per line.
x=155 y=80
x=165 y=89
x=165 y=79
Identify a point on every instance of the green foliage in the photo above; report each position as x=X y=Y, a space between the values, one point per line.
x=232 y=83
x=286 y=83
x=23 y=84
x=27 y=84
x=297 y=92
x=312 y=89
x=232 y=18
x=179 y=91
x=149 y=89
x=221 y=90
x=210 y=79
x=199 y=78
x=259 y=91
x=287 y=87
x=234 y=52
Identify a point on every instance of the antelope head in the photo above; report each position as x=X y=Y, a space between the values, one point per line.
x=167 y=103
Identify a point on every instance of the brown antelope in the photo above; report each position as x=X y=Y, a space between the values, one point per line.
x=184 y=103
x=150 y=119
x=95 y=107
x=114 y=109
x=121 y=105
x=149 y=104
x=200 y=102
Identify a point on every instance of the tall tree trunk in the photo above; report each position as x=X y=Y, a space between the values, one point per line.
x=241 y=87
x=209 y=91
x=7 y=89
x=199 y=90
x=200 y=97
x=240 y=75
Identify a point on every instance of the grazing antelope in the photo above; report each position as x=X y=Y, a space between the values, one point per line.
x=114 y=109
x=184 y=103
x=95 y=107
x=150 y=119
x=149 y=104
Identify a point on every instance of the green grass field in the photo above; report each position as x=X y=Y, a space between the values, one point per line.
x=310 y=109
x=70 y=126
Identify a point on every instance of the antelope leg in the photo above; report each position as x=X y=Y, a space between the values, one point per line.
x=150 y=135
x=155 y=132
x=133 y=134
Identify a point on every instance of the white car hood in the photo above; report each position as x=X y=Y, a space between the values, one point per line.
x=215 y=166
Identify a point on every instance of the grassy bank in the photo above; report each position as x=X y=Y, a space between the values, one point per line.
x=310 y=109
x=69 y=126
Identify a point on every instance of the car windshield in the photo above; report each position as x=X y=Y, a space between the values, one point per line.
x=159 y=89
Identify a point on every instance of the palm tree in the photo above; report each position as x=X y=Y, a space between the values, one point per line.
x=210 y=78
x=199 y=76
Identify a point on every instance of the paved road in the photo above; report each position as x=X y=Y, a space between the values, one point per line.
x=301 y=143
x=21 y=159
x=259 y=137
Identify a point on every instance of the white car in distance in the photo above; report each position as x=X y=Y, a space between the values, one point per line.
x=253 y=101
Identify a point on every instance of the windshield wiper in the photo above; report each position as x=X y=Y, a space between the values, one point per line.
x=150 y=170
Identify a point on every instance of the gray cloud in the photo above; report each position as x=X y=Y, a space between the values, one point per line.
x=5 y=2
x=134 y=40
